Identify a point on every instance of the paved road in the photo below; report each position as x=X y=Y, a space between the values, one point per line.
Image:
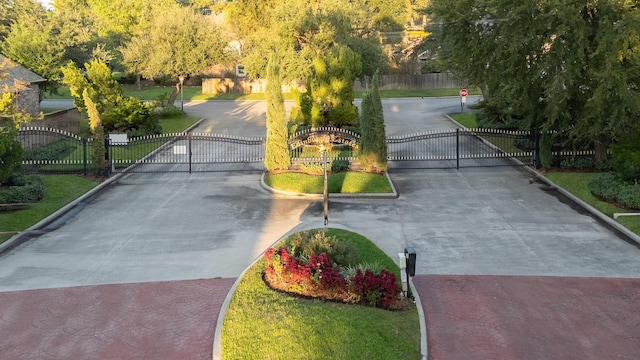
x=487 y=222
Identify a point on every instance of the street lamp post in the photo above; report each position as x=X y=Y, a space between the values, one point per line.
x=181 y=78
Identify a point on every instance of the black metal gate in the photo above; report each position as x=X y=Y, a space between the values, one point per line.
x=51 y=150
x=185 y=152
x=462 y=148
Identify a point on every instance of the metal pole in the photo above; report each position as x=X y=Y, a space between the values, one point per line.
x=181 y=78
x=190 y=154
x=326 y=191
x=458 y=149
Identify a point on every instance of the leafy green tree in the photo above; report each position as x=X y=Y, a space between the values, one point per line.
x=332 y=87
x=10 y=148
x=7 y=16
x=31 y=40
x=99 y=83
x=304 y=31
x=10 y=154
x=75 y=29
x=118 y=113
x=276 y=151
x=177 y=42
x=561 y=65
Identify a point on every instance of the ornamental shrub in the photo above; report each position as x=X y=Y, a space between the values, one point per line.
x=305 y=243
x=318 y=277
x=546 y=156
x=629 y=196
x=605 y=185
x=578 y=163
x=339 y=165
x=25 y=189
x=376 y=290
x=625 y=157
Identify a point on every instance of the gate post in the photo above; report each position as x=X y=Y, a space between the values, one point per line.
x=457 y=148
x=85 y=165
x=190 y=154
x=107 y=157
x=536 y=148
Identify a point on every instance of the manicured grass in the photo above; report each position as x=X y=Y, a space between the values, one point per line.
x=344 y=182
x=61 y=190
x=176 y=124
x=577 y=184
x=467 y=120
x=261 y=323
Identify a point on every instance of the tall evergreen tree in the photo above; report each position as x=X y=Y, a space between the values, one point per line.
x=276 y=152
x=99 y=163
x=366 y=153
x=379 y=133
x=373 y=146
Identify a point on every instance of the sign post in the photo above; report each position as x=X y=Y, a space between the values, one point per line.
x=463 y=99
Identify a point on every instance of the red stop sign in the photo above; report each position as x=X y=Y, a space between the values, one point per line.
x=463 y=92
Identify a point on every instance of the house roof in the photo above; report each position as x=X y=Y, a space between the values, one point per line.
x=15 y=71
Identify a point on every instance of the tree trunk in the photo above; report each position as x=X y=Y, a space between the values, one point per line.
x=174 y=95
x=483 y=90
x=600 y=150
x=139 y=82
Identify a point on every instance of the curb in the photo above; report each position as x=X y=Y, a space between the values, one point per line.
x=424 y=348
x=217 y=337
x=392 y=195
x=25 y=235
x=590 y=209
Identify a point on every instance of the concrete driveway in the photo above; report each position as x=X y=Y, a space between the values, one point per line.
x=158 y=228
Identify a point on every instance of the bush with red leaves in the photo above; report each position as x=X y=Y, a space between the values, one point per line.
x=319 y=279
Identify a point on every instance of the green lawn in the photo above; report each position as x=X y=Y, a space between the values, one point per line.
x=467 y=120
x=577 y=184
x=264 y=324
x=343 y=182
x=61 y=190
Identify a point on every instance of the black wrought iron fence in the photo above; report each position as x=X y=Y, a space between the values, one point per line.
x=462 y=148
x=52 y=150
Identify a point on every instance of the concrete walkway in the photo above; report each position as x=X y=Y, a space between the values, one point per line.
x=140 y=269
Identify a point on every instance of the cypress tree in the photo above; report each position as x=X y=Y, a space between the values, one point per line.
x=276 y=152
x=99 y=163
x=379 y=133
x=373 y=146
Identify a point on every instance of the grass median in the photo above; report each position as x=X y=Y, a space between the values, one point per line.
x=343 y=183
x=261 y=323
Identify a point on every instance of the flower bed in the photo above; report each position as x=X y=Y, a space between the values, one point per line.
x=320 y=278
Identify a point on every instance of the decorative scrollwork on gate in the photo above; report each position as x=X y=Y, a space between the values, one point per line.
x=324 y=136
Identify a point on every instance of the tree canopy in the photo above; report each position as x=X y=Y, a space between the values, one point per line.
x=179 y=41
x=558 y=64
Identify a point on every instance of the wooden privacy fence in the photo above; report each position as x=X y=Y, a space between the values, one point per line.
x=387 y=82
x=413 y=82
